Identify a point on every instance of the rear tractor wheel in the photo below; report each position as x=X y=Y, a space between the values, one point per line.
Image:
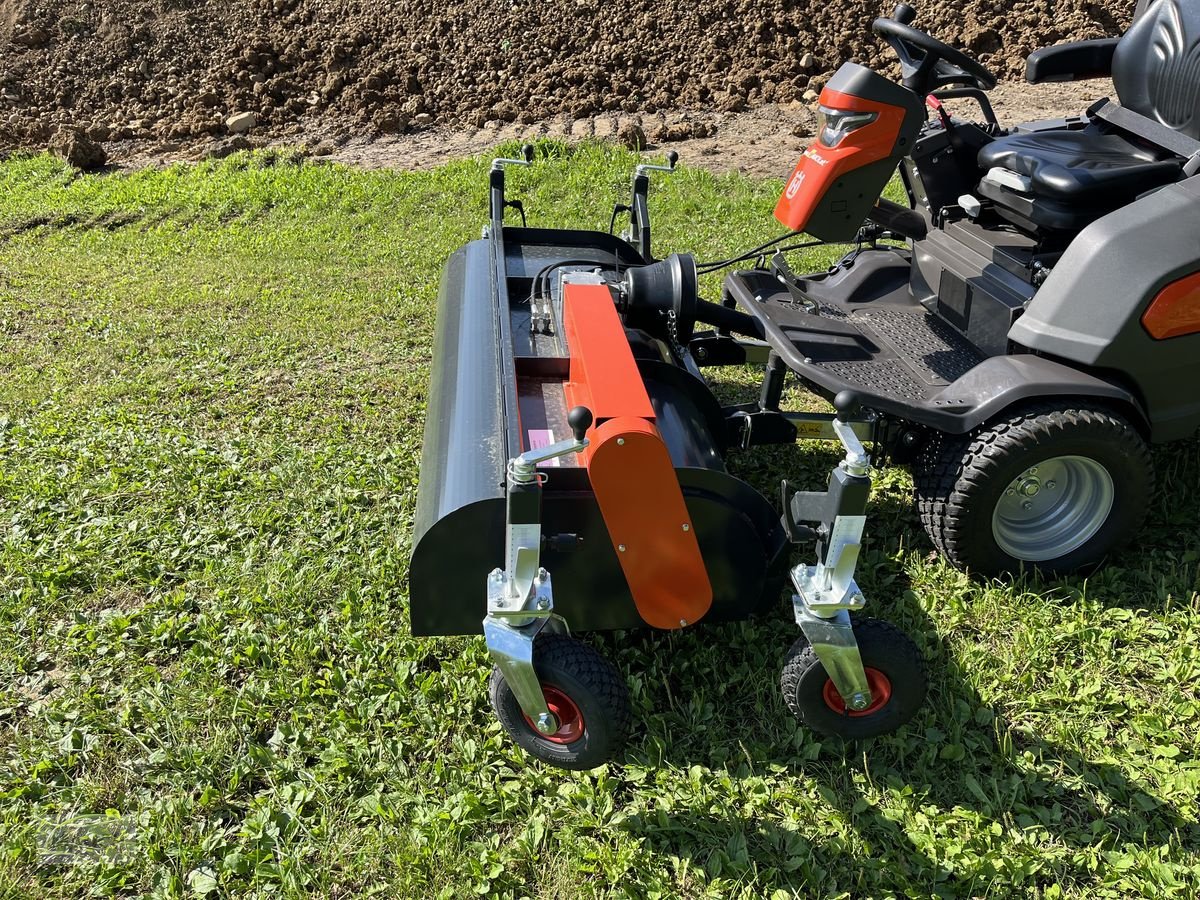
x=1052 y=488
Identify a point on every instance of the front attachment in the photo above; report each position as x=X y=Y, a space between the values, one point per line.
x=867 y=124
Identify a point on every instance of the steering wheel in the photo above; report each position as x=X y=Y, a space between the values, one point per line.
x=926 y=62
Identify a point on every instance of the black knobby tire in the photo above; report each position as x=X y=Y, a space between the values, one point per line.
x=567 y=667
x=885 y=649
x=960 y=481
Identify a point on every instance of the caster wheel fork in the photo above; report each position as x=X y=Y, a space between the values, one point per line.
x=587 y=699
x=849 y=680
x=895 y=674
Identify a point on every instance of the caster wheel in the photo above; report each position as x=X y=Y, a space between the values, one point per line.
x=585 y=693
x=1051 y=488
x=895 y=673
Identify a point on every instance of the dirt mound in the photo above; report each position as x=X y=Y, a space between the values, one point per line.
x=178 y=70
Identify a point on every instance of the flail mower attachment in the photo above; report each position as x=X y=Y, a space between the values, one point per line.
x=572 y=441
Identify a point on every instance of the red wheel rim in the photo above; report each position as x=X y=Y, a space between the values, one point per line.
x=881 y=693
x=563 y=708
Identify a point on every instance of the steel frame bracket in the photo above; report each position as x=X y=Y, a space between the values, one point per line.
x=510 y=629
x=825 y=595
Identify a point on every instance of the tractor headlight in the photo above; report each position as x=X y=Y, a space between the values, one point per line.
x=834 y=124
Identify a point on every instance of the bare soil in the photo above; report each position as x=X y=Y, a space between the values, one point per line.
x=455 y=74
x=762 y=142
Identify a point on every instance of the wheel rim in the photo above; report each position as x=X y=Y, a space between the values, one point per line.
x=1053 y=508
x=568 y=714
x=881 y=693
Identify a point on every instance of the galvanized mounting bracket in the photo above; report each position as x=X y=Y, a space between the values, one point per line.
x=827 y=592
x=513 y=622
x=520 y=598
x=830 y=585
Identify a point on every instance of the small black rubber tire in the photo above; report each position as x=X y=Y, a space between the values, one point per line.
x=591 y=682
x=882 y=646
x=960 y=480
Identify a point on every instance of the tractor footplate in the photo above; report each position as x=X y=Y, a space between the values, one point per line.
x=890 y=351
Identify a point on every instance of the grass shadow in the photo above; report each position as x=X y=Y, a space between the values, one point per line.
x=959 y=760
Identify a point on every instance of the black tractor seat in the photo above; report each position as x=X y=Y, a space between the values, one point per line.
x=1060 y=180
x=1064 y=180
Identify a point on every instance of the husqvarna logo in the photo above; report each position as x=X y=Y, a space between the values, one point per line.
x=793 y=187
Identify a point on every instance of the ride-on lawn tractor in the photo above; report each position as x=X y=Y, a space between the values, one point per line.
x=1019 y=333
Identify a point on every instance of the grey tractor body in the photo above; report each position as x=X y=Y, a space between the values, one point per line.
x=1033 y=308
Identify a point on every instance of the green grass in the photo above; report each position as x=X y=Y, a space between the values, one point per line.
x=212 y=387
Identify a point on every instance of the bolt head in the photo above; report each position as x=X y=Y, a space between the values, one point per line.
x=621 y=547
x=859 y=701
x=546 y=723
x=683 y=623
x=620 y=442
x=1027 y=505
x=543 y=604
x=1051 y=485
x=1033 y=470
x=1010 y=492
x=687 y=527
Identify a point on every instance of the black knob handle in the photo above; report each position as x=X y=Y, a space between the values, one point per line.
x=527 y=152
x=847 y=404
x=580 y=420
x=672 y=158
x=904 y=14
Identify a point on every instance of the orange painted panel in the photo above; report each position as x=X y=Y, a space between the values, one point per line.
x=602 y=365
x=648 y=521
x=820 y=166
x=630 y=468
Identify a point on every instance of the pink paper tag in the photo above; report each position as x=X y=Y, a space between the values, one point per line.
x=539 y=438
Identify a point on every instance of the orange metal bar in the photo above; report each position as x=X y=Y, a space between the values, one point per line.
x=630 y=468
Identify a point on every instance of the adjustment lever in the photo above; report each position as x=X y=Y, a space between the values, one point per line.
x=527 y=159
x=523 y=469
x=857 y=461
x=646 y=168
x=785 y=276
